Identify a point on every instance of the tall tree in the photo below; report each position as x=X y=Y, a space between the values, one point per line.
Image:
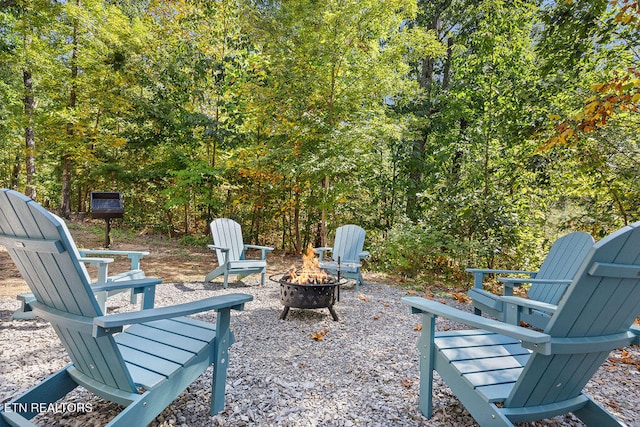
x=340 y=60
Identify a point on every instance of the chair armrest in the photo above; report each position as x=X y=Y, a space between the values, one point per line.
x=320 y=251
x=529 y=303
x=425 y=306
x=141 y=254
x=125 y=284
x=510 y=282
x=225 y=254
x=101 y=263
x=479 y=273
x=134 y=256
x=515 y=307
x=517 y=281
x=363 y=254
x=96 y=262
x=115 y=322
x=265 y=249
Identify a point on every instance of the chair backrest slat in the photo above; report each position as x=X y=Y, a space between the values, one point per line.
x=348 y=243
x=228 y=233
x=562 y=262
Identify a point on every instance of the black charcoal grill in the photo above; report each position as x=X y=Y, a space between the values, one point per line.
x=107 y=205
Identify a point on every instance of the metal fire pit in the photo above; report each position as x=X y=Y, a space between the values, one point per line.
x=297 y=295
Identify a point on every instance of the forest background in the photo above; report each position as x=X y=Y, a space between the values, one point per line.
x=456 y=132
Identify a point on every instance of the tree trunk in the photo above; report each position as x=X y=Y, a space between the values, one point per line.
x=15 y=174
x=323 y=215
x=296 y=223
x=67 y=163
x=65 y=202
x=29 y=137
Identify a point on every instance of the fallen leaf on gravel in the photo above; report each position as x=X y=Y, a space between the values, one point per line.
x=626 y=358
x=417 y=328
x=319 y=335
x=407 y=383
x=460 y=297
x=613 y=405
x=363 y=298
x=376 y=317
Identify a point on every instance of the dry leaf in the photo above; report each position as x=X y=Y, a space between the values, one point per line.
x=319 y=335
x=363 y=298
x=407 y=383
x=613 y=405
x=418 y=327
x=460 y=297
x=376 y=317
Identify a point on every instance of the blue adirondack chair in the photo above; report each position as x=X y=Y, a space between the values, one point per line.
x=140 y=360
x=547 y=284
x=347 y=249
x=102 y=265
x=230 y=251
x=504 y=373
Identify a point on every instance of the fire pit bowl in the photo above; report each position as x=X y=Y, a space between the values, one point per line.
x=311 y=295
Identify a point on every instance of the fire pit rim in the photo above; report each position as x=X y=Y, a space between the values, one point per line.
x=339 y=281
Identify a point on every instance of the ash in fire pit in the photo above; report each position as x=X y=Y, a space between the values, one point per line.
x=309 y=287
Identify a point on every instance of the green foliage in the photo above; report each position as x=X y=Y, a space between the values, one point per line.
x=199 y=241
x=413 y=250
x=424 y=122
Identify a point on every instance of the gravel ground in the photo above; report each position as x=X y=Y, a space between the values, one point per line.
x=364 y=372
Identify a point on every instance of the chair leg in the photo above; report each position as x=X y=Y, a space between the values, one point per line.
x=226 y=279
x=101 y=297
x=426 y=348
x=221 y=360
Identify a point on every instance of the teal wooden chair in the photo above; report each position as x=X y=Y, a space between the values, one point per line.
x=140 y=360
x=504 y=373
x=547 y=284
x=346 y=253
x=230 y=252
x=102 y=264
